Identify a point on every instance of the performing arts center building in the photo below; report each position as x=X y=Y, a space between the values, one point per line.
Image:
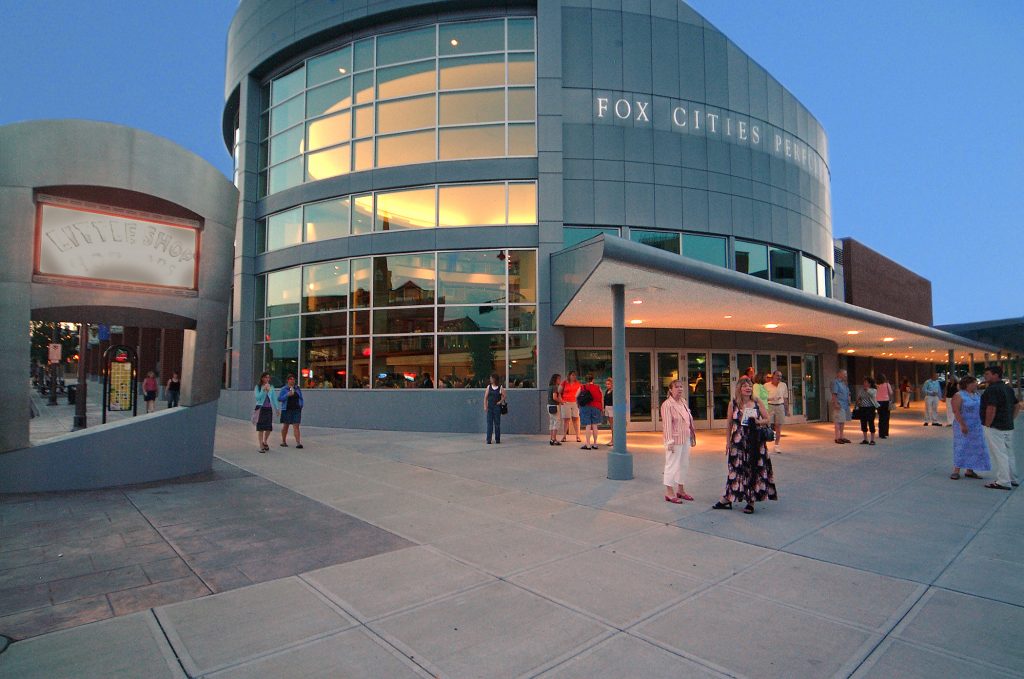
x=435 y=191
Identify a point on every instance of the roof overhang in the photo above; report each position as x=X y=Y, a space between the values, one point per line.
x=664 y=290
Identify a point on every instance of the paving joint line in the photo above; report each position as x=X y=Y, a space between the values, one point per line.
x=170 y=645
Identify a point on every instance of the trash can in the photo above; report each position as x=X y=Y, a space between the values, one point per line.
x=72 y=390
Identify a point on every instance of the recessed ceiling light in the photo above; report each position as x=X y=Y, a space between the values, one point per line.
x=853 y=332
x=635 y=321
x=638 y=301
x=888 y=339
x=771 y=326
x=727 y=316
x=850 y=351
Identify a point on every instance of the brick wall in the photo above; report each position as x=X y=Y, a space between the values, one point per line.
x=876 y=282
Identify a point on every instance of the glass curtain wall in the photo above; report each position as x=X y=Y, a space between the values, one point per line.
x=421 y=320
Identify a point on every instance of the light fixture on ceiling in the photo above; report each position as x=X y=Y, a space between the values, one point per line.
x=343 y=70
x=638 y=301
x=455 y=43
x=850 y=351
x=635 y=321
x=771 y=326
x=888 y=339
x=727 y=316
x=853 y=332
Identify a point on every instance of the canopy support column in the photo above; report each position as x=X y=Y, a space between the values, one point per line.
x=620 y=461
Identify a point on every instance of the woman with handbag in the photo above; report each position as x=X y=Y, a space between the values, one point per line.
x=495 y=406
x=750 y=477
x=867 y=405
x=263 y=414
x=679 y=435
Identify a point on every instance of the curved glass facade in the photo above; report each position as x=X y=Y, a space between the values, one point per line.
x=444 y=319
x=443 y=92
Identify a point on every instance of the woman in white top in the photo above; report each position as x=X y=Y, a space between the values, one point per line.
x=677 y=429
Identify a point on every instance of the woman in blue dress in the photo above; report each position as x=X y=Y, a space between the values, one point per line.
x=969 y=449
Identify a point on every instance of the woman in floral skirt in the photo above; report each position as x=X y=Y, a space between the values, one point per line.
x=750 y=476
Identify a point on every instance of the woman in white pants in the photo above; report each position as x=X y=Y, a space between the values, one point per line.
x=679 y=435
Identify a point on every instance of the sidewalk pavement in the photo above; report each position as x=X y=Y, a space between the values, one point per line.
x=521 y=559
x=56 y=420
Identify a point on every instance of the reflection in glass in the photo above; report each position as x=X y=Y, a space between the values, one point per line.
x=362 y=56
x=824 y=281
x=329 y=131
x=523 y=318
x=363 y=155
x=287 y=114
x=406 y=149
x=406 y=114
x=572 y=235
x=330 y=98
x=522 y=140
x=663 y=240
x=406 y=46
x=466 y=361
x=280 y=360
x=411 y=209
x=668 y=371
x=364 y=121
x=472 y=277
x=403 y=280
x=284 y=229
x=522 y=203
x=481 y=318
x=281 y=328
x=329 y=66
x=522 y=275
x=327 y=220
x=325 y=286
x=402 y=362
x=359 y=363
x=362 y=279
x=325 y=325
x=362 y=214
x=522 y=104
x=696 y=376
x=520 y=34
x=796 y=385
x=360 y=321
x=323 y=363
x=283 y=292
x=329 y=163
x=285 y=175
x=362 y=87
x=752 y=258
x=721 y=384
x=808 y=275
x=783 y=266
x=464 y=72
x=521 y=69
x=640 y=386
x=400 y=81
x=522 y=361
x=472 y=142
x=287 y=86
x=477 y=106
x=469 y=37
x=471 y=205
x=403 y=321
x=705 y=248
x=286 y=145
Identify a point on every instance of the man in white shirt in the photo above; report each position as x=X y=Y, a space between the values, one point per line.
x=778 y=404
x=932 y=393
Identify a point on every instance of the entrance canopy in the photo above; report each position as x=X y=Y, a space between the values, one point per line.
x=664 y=290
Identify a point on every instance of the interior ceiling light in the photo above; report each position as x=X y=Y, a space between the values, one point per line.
x=635 y=321
x=771 y=326
x=343 y=70
x=853 y=332
x=455 y=43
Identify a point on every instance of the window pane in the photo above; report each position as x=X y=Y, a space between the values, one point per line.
x=472 y=142
x=283 y=292
x=520 y=34
x=473 y=277
x=522 y=203
x=362 y=214
x=360 y=322
x=522 y=361
x=284 y=229
x=405 y=46
x=663 y=240
x=286 y=145
x=752 y=259
x=287 y=86
x=287 y=114
x=406 y=149
x=327 y=220
x=363 y=155
x=330 y=98
x=280 y=360
x=329 y=131
x=281 y=328
x=329 y=66
x=399 y=81
x=406 y=114
x=462 y=319
x=362 y=56
x=461 y=72
x=796 y=384
x=364 y=121
x=522 y=104
x=325 y=286
x=466 y=361
x=285 y=175
x=325 y=325
x=359 y=363
x=522 y=140
x=783 y=266
x=323 y=363
x=329 y=163
x=472 y=36
x=572 y=235
x=522 y=317
x=824 y=281
x=405 y=210
x=362 y=84
x=471 y=205
x=402 y=362
x=264 y=154
x=403 y=280
x=808 y=275
x=705 y=248
x=403 y=321
x=362 y=279
x=522 y=276
x=521 y=70
x=478 y=106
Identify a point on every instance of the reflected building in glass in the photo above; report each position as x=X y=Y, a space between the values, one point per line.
x=406 y=175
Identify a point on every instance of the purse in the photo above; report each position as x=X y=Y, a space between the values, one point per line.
x=255 y=415
x=503 y=408
x=765 y=432
x=552 y=410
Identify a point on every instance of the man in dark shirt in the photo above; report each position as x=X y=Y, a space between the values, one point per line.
x=999 y=407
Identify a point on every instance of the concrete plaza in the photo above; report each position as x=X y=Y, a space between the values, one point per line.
x=384 y=554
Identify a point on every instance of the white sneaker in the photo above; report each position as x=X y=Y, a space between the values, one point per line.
x=775 y=449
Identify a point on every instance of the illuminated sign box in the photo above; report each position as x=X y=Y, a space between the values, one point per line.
x=104 y=245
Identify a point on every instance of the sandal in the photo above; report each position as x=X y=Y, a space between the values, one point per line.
x=685 y=496
x=749 y=509
x=722 y=505
x=673 y=500
x=971 y=474
x=954 y=476
x=996 y=486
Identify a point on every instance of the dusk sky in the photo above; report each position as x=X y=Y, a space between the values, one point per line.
x=921 y=100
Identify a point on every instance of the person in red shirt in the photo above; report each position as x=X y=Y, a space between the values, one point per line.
x=570 y=411
x=589 y=399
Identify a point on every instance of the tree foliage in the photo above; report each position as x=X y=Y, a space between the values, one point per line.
x=41 y=334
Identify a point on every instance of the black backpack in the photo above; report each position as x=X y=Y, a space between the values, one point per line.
x=584 y=397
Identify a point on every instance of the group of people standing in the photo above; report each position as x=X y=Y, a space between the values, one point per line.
x=286 y=402
x=983 y=435
x=873 y=399
x=572 y=404
x=150 y=386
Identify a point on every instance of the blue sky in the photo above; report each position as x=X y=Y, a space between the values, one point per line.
x=922 y=101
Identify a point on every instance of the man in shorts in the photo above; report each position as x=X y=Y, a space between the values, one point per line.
x=570 y=411
x=589 y=400
x=778 y=404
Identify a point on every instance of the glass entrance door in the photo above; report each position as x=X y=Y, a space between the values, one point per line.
x=697 y=383
x=721 y=389
x=641 y=417
x=812 y=387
